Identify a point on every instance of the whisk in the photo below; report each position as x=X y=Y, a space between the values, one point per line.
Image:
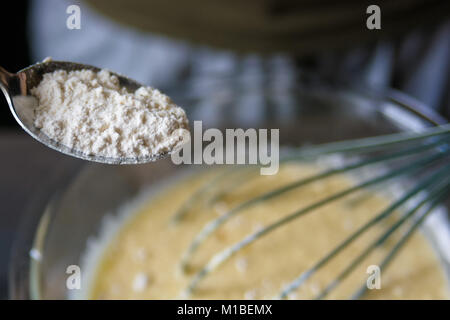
x=421 y=156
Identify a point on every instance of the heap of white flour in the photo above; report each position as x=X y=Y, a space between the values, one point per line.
x=91 y=113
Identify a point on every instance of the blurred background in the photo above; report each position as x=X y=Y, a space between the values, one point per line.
x=181 y=45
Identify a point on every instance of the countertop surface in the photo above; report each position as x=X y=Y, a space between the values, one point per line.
x=25 y=164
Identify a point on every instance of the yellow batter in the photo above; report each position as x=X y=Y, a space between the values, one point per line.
x=142 y=261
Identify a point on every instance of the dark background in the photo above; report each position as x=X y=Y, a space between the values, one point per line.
x=15 y=53
x=13 y=56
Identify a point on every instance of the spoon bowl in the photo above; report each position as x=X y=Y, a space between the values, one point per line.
x=17 y=90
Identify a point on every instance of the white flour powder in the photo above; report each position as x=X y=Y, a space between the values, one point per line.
x=91 y=113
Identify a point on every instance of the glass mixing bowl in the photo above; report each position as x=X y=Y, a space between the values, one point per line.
x=65 y=215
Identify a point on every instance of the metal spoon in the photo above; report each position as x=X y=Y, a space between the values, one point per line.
x=16 y=88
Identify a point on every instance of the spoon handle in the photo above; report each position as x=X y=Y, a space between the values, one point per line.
x=11 y=81
x=5 y=76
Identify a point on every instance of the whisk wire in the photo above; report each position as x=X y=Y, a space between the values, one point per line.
x=224 y=255
x=216 y=223
x=364 y=144
x=371 y=143
x=271 y=194
x=384 y=214
x=407 y=235
x=380 y=241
